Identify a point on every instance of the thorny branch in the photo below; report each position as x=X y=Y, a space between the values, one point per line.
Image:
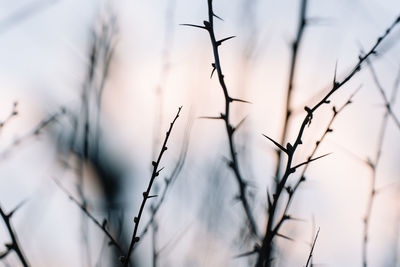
x=14 y=245
x=146 y=194
x=264 y=255
x=230 y=130
x=12 y=114
x=169 y=181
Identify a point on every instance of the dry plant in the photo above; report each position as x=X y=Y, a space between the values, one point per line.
x=85 y=144
x=264 y=250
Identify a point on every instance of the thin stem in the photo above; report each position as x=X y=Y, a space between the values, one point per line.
x=234 y=163
x=83 y=207
x=373 y=164
x=312 y=249
x=146 y=194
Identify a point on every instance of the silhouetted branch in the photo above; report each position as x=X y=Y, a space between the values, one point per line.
x=170 y=180
x=146 y=194
x=14 y=245
x=271 y=230
x=12 y=114
x=388 y=104
x=233 y=162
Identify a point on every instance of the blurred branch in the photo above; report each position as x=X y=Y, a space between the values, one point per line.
x=373 y=164
x=24 y=13
x=146 y=194
x=83 y=207
x=388 y=103
x=168 y=43
x=34 y=132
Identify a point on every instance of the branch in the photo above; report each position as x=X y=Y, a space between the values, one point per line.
x=373 y=164
x=83 y=207
x=146 y=194
x=233 y=162
x=15 y=246
x=388 y=104
x=169 y=181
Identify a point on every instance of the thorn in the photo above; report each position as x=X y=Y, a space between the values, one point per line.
x=239 y=124
x=285 y=237
x=239 y=100
x=17 y=208
x=152 y=196
x=104 y=224
x=217 y=17
x=225 y=39
x=277 y=144
x=335 y=83
x=214 y=68
x=193 y=25
x=211 y=118
x=246 y=253
x=310 y=160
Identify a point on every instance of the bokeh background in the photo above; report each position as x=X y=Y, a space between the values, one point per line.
x=157 y=66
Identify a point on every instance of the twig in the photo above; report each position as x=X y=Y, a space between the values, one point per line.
x=24 y=13
x=169 y=181
x=12 y=114
x=230 y=130
x=373 y=164
x=14 y=245
x=312 y=249
x=83 y=207
x=146 y=194
x=388 y=104
x=34 y=132
x=168 y=44
x=264 y=258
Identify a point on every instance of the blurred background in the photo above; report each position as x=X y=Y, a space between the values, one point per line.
x=97 y=84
